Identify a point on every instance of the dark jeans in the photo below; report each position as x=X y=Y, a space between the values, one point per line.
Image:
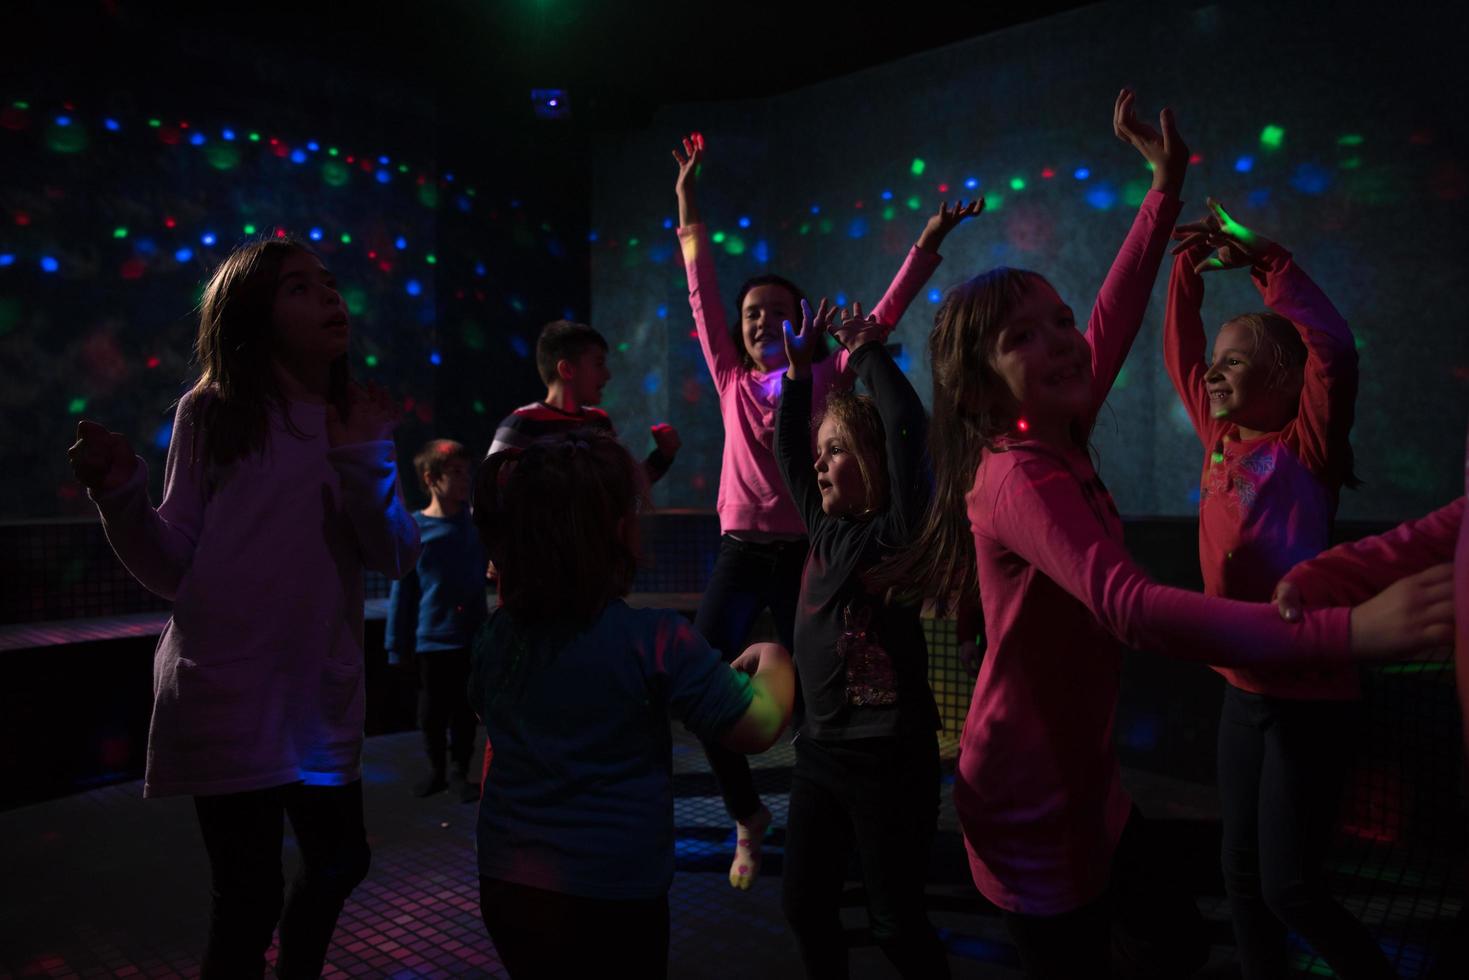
x=443 y=677
x=1282 y=766
x=243 y=834
x=747 y=578
x=878 y=797
x=544 y=934
x=1145 y=925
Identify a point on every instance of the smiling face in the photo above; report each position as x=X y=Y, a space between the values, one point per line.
x=1044 y=363
x=1245 y=387
x=761 y=314
x=586 y=374
x=308 y=316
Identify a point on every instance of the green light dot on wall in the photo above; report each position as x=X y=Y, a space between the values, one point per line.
x=66 y=139
x=622 y=347
x=1017 y=183
x=634 y=242
x=1134 y=192
x=824 y=226
x=1350 y=139
x=371 y=361
x=1271 y=137
x=716 y=238
x=355 y=299
x=346 y=238
x=993 y=202
x=155 y=123
x=1351 y=163
x=431 y=259
x=805 y=227
x=888 y=212
x=735 y=245
x=335 y=174
x=254 y=137
x=249 y=229
x=918 y=167
x=77 y=406
x=428 y=195
x=119 y=232
x=20 y=104
x=479 y=407
x=402 y=168
x=332 y=151
x=914 y=203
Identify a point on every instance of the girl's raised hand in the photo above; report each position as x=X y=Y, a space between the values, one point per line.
x=688 y=174
x=1232 y=244
x=947 y=219
x=801 y=347
x=856 y=330
x=1165 y=150
x=101 y=460
x=372 y=414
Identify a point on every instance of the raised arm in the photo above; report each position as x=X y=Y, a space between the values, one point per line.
x=905 y=425
x=710 y=321
x=793 y=417
x=1118 y=313
x=1184 y=351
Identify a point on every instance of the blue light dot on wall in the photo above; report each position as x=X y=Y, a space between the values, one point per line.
x=313 y=146
x=7 y=259
x=744 y=222
x=1310 y=179
x=208 y=238
x=841 y=299
x=519 y=345
x=479 y=268
x=650 y=382
x=857 y=228
x=413 y=287
x=934 y=295
x=450 y=179
x=971 y=183
x=667 y=223
x=197 y=139
x=592 y=236
x=815 y=209
x=63 y=120
x=383 y=176
x=48 y=264
x=1101 y=197
x=568 y=314
x=298 y=156
x=112 y=125
x=1082 y=173
x=761 y=251
x=145 y=246
x=435 y=359
x=400 y=243
x=383 y=160
x=164 y=435
x=463 y=203
x=227 y=134
x=1259 y=197
x=1244 y=164
x=662 y=312
x=1193 y=495
x=183 y=254
x=887 y=195
x=315 y=234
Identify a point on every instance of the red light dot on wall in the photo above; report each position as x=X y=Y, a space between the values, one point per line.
x=274 y=141
x=694 y=333
x=22 y=219
x=168 y=135
x=372 y=254
x=153 y=361
x=699 y=481
x=943 y=188
x=1196 y=158
x=69 y=106
x=408 y=403
x=169 y=222
x=280 y=233
x=351 y=158
x=1023 y=425
x=1047 y=173
x=183 y=124
x=385 y=265
x=132 y=268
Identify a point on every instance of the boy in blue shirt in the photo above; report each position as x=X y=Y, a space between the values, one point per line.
x=434 y=612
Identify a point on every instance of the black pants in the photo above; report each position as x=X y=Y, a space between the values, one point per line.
x=551 y=935
x=747 y=578
x=1145 y=925
x=443 y=703
x=880 y=798
x=243 y=835
x=1282 y=766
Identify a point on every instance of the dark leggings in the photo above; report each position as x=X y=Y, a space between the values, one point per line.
x=443 y=676
x=1144 y=926
x=1282 y=766
x=243 y=835
x=747 y=579
x=878 y=797
x=545 y=935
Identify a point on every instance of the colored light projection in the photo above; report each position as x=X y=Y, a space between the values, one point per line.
x=831 y=185
x=110 y=225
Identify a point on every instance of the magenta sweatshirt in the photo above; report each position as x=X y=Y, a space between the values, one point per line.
x=752 y=496
x=258 y=676
x=1268 y=503
x=1038 y=787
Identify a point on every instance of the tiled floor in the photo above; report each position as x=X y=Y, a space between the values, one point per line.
x=105 y=884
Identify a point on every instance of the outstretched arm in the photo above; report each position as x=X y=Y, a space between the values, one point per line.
x=710 y=323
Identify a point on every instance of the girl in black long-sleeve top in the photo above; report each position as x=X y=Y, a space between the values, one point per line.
x=867 y=773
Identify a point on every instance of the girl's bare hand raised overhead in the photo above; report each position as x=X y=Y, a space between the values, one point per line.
x=102 y=461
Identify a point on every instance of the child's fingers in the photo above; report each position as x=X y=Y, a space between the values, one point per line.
x=698 y=138
x=1119 y=113
x=1167 y=126
x=681 y=161
x=790 y=334
x=1287 y=599
x=1211 y=264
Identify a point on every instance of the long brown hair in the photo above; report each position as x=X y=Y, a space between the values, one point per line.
x=968 y=416
x=237 y=384
x=559 y=521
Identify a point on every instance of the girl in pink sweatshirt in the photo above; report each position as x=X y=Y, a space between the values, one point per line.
x=1021 y=514
x=1272 y=406
x=281 y=487
x=763 y=540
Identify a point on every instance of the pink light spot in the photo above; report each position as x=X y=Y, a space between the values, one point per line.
x=1047 y=173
